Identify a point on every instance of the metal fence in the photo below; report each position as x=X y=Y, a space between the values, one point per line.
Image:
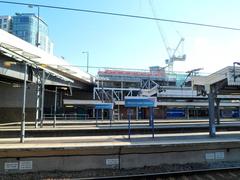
x=66 y=116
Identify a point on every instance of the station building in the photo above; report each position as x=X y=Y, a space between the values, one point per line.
x=49 y=81
x=176 y=99
x=176 y=96
x=56 y=87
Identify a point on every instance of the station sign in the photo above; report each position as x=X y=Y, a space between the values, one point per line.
x=104 y=106
x=140 y=102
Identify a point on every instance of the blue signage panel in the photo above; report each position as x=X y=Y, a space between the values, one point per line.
x=140 y=102
x=175 y=113
x=104 y=106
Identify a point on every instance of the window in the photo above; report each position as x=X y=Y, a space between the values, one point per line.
x=4 y=26
x=19 y=33
x=30 y=73
x=5 y=20
x=24 y=20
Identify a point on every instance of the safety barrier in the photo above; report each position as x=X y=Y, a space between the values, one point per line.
x=66 y=116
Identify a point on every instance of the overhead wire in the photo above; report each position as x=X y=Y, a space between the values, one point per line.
x=124 y=15
x=117 y=68
x=98 y=67
x=121 y=15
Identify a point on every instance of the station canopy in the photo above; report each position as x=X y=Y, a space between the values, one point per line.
x=21 y=50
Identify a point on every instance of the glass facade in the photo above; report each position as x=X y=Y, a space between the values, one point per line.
x=25 y=26
x=179 y=78
x=5 y=23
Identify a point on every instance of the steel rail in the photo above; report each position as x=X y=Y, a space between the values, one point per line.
x=166 y=174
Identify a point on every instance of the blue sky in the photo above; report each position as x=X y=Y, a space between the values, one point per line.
x=135 y=43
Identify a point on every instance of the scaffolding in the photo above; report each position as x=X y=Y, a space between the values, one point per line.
x=114 y=85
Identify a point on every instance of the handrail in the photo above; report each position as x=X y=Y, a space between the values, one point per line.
x=74 y=116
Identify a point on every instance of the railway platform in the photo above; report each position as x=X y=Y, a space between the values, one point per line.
x=117 y=127
x=117 y=153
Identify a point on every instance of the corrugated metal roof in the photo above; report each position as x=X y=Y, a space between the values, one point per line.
x=225 y=73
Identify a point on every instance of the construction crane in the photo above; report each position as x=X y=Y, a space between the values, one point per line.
x=172 y=57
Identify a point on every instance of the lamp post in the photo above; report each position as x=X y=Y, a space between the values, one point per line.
x=86 y=52
x=38 y=23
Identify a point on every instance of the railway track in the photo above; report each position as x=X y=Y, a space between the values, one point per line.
x=89 y=128
x=106 y=130
x=231 y=173
x=227 y=173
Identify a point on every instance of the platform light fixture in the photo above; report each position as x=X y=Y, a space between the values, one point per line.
x=238 y=63
x=15 y=85
x=8 y=64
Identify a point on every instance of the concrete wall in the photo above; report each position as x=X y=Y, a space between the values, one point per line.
x=12 y=97
x=15 y=114
x=12 y=102
x=80 y=94
x=122 y=158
